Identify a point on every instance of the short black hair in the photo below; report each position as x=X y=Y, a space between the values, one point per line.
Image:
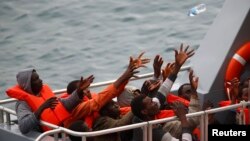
x=79 y=126
x=137 y=105
x=72 y=86
x=181 y=87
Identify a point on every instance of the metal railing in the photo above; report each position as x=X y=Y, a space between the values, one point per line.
x=146 y=126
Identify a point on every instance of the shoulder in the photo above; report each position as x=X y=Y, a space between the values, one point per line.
x=22 y=105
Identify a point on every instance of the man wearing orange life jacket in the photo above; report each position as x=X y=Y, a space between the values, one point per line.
x=89 y=107
x=37 y=101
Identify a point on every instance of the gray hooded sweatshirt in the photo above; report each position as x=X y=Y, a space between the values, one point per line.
x=27 y=121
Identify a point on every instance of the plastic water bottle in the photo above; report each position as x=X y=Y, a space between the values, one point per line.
x=197 y=10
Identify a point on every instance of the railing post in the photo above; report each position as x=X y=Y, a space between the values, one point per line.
x=150 y=132
x=7 y=118
x=1 y=116
x=56 y=138
x=145 y=133
x=63 y=136
x=206 y=127
x=202 y=127
x=84 y=138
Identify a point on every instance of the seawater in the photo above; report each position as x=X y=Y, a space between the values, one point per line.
x=65 y=39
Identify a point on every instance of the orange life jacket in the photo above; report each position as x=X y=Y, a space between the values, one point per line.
x=56 y=116
x=197 y=133
x=224 y=103
x=125 y=110
x=172 y=98
x=165 y=114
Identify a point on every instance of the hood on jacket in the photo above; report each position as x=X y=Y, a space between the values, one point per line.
x=24 y=79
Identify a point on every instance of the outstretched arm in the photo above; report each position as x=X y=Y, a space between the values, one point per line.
x=194 y=105
x=180 y=58
x=74 y=99
x=109 y=92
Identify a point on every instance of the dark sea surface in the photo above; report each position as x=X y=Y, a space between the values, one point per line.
x=66 y=39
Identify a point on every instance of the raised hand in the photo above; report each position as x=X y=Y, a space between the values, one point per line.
x=234 y=89
x=181 y=56
x=131 y=70
x=139 y=61
x=83 y=84
x=155 y=85
x=49 y=103
x=167 y=70
x=157 y=66
x=193 y=80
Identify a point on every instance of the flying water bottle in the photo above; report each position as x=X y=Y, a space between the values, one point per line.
x=197 y=10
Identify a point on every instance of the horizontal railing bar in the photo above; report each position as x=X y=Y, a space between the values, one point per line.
x=10 y=111
x=48 y=133
x=127 y=127
x=175 y=117
x=93 y=133
x=229 y=107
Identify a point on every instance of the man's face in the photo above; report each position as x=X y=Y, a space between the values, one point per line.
x=36 y=83
x=244 y=94
x=151 y=107
x=113 y=109
x=186 y=92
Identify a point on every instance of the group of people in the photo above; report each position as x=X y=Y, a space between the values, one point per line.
x=80 y=109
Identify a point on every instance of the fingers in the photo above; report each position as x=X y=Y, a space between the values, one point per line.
x=130 y=59
x=139 y=57
x=176 y=52
x=51 y=103
x=141 y=66
x=91 y=78
x=156 y=59
x=181 y=47
x=191 y=74
x=81 y=79
x=154 y=85
x=145 y=61
x=190 y=53
x=186 y=48
x=172 y=65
